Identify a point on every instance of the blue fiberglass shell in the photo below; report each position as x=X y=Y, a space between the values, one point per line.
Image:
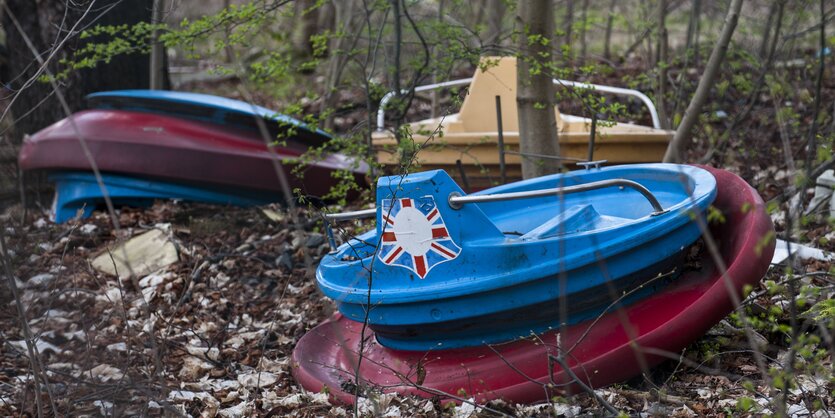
x=205 y=107
x=461 y=277
x=76 y=191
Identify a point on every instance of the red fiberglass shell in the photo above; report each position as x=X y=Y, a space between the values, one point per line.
x=158 y=146
x=600 y=353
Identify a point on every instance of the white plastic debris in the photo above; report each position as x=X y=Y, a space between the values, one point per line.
x=824 y=195
x=140 y=255
x=805 y=252
x=465 y=410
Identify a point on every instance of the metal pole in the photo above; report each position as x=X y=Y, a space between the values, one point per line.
x=455 y=200
x=501 y=139
x=591 y=137
x=463 y=176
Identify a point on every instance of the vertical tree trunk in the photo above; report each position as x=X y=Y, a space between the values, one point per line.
x=697 y=30
x=157 y=67
x=496 y=10
x=36 y=108
x=438 y=52
x=343 y=11
x=307 y=13
x=534 y=88
x=811 y=142
x=583 y=29
x=661 y=64
x=675 y=151
x=609 y=22
x=569 y=23
x=763 y=49
x=692 y=28
x=479 y=5
x=646 y=16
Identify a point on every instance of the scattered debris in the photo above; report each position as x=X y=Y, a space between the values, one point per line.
x=141 y=255
x=805 y=252
x=224 y=319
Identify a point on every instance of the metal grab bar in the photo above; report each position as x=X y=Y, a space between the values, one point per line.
x=381 y=112
x=456 y=201
x=345 y=216
x=656 y=122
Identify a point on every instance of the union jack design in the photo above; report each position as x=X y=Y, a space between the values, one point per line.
x=415 y=236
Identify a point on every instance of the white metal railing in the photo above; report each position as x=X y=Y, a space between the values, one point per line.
x=656 y=122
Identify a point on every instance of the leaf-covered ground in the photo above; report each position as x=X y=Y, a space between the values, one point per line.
x=213 y=333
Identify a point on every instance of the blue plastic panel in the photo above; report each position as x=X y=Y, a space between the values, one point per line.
x=79 y=191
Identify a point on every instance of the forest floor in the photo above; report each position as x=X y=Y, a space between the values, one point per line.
x=212 y=334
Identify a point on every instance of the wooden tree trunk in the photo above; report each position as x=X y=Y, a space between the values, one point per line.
x=344 y=18
x=496 y=10
x=583 y=29
x=534 y=88
x=763 y=49
x=568 y=24
x=609 y=23
x=307 y=14
x=36 y=106
x=661 y=64
x=675 y=152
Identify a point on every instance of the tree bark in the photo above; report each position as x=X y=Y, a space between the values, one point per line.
x=675 y=151
x=584 y=19
x=608 y=39
x=308 y=18
x=496 y=10
x=763 y=49
x=693 y=24
x=535 y=89
x=661 y=64
x=157 y=67
x=344 y=18
x=569 y=21
x=46 y=24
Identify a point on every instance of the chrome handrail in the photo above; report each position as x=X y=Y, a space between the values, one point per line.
x=345 y=216
x=456 y=200
x=381 y=112
x=656 y=122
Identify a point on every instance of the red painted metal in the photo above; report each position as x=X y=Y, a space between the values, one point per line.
x=153 y=145
x=615 y=348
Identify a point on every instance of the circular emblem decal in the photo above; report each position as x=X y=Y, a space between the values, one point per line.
x=415 y=236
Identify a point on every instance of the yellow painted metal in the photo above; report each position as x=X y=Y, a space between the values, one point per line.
x=472 y=134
